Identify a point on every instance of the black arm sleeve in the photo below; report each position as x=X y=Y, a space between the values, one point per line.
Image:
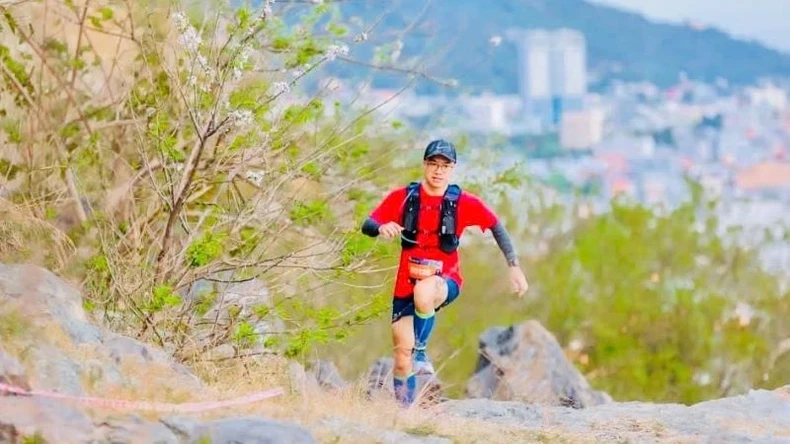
x=370 y=227
x=503 y=240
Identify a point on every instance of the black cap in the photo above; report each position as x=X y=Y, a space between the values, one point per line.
x=442 y=148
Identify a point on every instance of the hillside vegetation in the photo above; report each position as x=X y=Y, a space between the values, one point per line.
x=154 y=154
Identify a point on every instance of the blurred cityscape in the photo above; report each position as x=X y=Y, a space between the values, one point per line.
x=634 y=138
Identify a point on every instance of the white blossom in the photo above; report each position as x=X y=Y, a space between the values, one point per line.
x=280 y=87
x=333 y=50
x=255 y=177
x=241 y=117
x=244 y=55
x=744 y=313
x=180 y=21
x=235 y=73
x=702 y=378
x=203 y=63
x=190 y=39
x=267 y=7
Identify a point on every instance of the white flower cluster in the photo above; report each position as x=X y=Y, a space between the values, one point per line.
x=255 y=177
x=241 y=117
x=279 y=88
x=267 y=7
x=188 y=37
x=239 y=62
x=333 y=50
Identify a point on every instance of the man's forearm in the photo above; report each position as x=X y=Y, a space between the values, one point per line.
x=370 y=227
x=502 y=238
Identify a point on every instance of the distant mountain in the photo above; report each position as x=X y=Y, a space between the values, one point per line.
x=454 y=37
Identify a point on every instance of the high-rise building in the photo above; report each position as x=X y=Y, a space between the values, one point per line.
x=569 y=68
x=552 y=70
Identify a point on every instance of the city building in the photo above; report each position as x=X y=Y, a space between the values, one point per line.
x=552 y=67
x=581 y=130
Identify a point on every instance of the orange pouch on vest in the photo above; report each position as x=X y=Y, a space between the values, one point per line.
x=423 y=268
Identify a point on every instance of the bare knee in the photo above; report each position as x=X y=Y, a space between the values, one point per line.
x=428 y=293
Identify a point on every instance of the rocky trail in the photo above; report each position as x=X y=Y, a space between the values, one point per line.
x=523 y=390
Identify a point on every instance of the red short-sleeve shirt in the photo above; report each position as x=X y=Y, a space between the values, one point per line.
x=472 y=211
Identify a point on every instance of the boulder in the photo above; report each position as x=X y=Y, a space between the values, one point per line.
x=525 y=363
x=24 y=417
x=134 y=429
x=67 y=352
x=327 y=375
x=45 y=299
x=758 y=416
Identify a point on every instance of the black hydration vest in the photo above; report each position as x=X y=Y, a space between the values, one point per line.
x=448 y=238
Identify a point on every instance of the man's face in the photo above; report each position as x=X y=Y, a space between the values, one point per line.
x=437 y=171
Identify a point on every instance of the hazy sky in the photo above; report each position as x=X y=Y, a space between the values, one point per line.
x=767 y=21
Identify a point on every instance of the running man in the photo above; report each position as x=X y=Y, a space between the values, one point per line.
x=430 y=216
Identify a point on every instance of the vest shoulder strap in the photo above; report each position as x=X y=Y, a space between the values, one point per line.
x=453 y=193
x=411 y=207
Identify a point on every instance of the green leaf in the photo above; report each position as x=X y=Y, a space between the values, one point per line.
x=205 y=249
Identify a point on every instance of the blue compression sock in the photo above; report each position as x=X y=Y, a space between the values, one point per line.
x=423 y=326
x=404 y=389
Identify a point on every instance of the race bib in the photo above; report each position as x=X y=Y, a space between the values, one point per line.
x=423 y=268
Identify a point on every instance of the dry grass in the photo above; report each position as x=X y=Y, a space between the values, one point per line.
x=19 y=226
x=347 y=415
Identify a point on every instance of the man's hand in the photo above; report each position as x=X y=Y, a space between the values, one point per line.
x=519 y=281
x=390 y=230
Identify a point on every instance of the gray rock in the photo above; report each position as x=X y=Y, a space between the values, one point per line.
x=132 y=429
x=345 y=430
x=119 y=347
x=525 y=363
x=46 y=299
x=250 y=430
x=12 y=372
x=100 y=375
x=759 y=416
x=41 y=291
x=24 y=416
x=327 y=375
x=496 y=411
x=301 y=382
x=183 y=427
x=53 y=370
